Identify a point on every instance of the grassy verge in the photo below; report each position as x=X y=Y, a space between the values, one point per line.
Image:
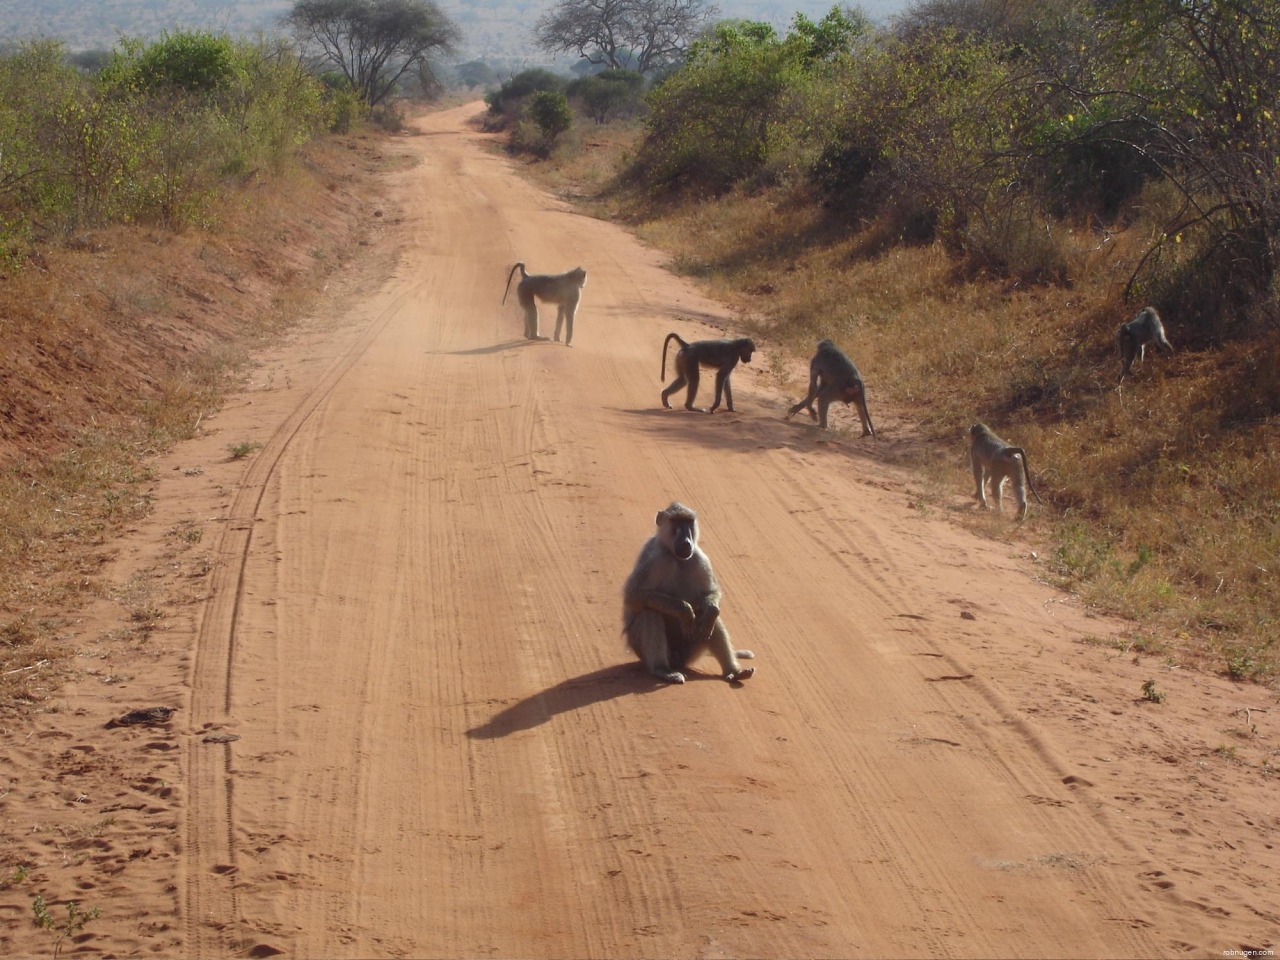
x=1163 y=497
x=117 y=343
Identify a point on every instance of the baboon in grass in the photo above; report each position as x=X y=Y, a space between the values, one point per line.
x=833 y=377
x=997 y=461
x=1133 y=337
x=671 y=603
x=562 y=289
x=721 y=354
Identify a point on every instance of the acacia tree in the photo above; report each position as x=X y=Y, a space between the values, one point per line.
x=638 y=35
x=374 y=42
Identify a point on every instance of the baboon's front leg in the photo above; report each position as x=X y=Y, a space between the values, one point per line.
x=723 y=388
x=721 y=648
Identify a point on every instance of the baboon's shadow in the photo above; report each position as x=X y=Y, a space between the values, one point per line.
x=496 y=347
x=607 y=683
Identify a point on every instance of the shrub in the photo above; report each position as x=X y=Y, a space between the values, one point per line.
x=505 y=101
x=608 y=94
x=550 y=111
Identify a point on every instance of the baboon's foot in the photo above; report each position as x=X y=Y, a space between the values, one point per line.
x=673 y=676
x=695 y=409
x=737 y=676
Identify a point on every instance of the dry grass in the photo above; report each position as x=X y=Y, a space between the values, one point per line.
x=116 y=345
x=1164 y=497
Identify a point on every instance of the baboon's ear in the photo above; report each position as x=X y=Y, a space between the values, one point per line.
x=657 y=518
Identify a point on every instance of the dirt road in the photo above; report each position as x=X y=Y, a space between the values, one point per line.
x=444 y=750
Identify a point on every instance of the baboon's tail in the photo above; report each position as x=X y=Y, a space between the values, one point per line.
x=1026 y=469
x=670 y=337
x=523 y=274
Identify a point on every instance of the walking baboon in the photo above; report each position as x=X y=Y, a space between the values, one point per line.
x=721 y=354
x=1133 y=337
x=832 y=377
x=992 y=458
x=562 y=289
x=671 y=603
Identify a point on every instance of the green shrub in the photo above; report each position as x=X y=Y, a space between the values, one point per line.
x=608 y=94
x=740 y=102
x=149 y=137
x=507 y=98
x=550 y=111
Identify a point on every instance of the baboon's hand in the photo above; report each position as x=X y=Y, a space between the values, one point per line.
x=688 y=620
x=706 y=622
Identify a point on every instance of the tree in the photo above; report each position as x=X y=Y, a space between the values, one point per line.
x=639 y=35
x=374 y=43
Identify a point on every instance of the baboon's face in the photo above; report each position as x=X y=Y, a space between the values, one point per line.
x=748 y=348
x=683 y=538
x=679 y=534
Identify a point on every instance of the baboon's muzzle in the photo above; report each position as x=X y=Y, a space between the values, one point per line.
x=683 y=546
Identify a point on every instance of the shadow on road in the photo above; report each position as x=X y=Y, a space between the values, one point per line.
x=607 y=683
x=497 y=347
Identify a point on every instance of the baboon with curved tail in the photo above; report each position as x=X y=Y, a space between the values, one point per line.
x=562 y=289
x=721 y=354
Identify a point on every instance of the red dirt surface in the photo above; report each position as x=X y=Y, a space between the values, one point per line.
x=406 y=606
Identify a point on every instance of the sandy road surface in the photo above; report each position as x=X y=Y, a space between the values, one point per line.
x=444 y=750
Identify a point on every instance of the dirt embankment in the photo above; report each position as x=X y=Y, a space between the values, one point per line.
x=406 y=725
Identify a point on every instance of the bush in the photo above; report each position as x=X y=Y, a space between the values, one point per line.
x=550 y=111
x=608 y=94
x=506 y=100
x=193 y=62
x=739 y=103
x=149 y=137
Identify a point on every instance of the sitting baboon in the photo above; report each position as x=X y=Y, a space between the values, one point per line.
x=992 y=458
x=832 y=377
x=721 y=354
x=1133 y=337
x=562 y=289
x=671 y=603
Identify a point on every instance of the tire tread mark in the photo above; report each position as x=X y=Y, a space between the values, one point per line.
x=210 y=899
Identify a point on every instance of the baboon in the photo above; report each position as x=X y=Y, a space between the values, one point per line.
x=832 y=377
x=992 y=458
x=562 y=289
x=1133 y=337
x=721 y=354
x=671 y=603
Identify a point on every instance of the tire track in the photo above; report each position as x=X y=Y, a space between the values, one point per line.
x=211 y=904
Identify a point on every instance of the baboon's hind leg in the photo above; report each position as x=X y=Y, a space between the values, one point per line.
x=676 y=384
x=647 y=637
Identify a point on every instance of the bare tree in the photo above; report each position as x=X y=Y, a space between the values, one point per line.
x=374 y=42
x=635 y=35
